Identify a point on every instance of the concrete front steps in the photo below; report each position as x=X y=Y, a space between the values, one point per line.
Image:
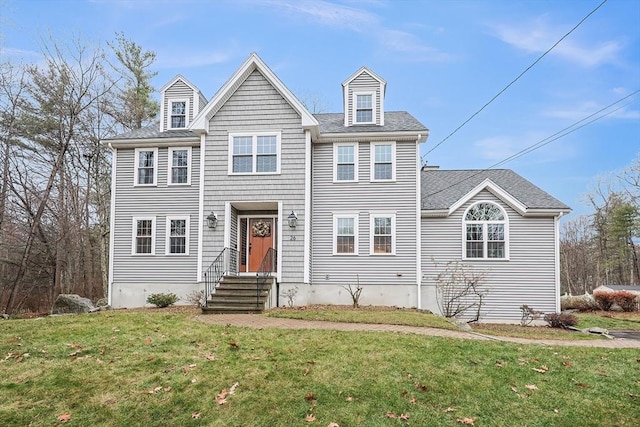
x=237 y=294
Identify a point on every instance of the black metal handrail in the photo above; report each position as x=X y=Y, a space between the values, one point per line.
x=268 y=265
x=226 y=263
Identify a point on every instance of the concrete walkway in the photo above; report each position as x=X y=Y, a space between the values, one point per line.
x=261 y=322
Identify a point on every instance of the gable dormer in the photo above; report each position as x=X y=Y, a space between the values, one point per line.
x=180 y=103
x=363 y=94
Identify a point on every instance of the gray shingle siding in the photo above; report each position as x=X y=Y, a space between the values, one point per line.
x=154 y=201
x=179 y=90
x=528 y=277
x=363 y=83
x=364 y=197
x=257 y=106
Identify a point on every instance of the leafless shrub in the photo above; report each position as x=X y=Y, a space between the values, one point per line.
x=459 y=289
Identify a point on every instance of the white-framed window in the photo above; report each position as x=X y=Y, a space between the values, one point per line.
x=345 y=234
x=143 y=236
x=485 y=229
x=364 y=107
x=178 y=114
x=345 y=162
x=146 y=166
x=383 y=161
x=179 y=166
x=382 y=234
x=177 y=235
x=254 y=153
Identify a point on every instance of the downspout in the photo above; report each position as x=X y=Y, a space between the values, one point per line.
x=112 y=223
x=556 y=222
x=418 y=224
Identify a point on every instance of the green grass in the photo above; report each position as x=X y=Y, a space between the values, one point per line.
x=101 y=368
x=609 y=320
x=375 y=315
x=532 y=332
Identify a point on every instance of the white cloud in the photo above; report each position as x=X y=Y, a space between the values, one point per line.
x=538 y=36
x=327 y=13
x=18 y=53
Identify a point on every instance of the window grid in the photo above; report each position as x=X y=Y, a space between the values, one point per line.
x=254 y=154
x=179 y=166
x=364 y=108
x=345 y=162
x=383 y=162
x=146 y=164
x=485 y=232
x=177 y=236
x=178 y=114
x=382 y=235
x=144 y=236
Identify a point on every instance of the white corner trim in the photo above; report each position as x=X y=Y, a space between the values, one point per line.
x=201 y=206
x=112 y=222
x=279 y=243
x=226 y=223
x=306 y=263
x=495 y=190
x=556 y=244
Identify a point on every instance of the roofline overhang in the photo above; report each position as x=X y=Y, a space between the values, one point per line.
x=418 y=137
x=529 y=212
x=191 y=141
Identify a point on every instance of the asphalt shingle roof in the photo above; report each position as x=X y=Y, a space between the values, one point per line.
x=442 y=188
x=394 y=121
x=153 y=131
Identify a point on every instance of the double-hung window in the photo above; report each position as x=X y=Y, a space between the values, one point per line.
x=345 y=162
x=254 y=153
x=180 y=165
x=382 y=234
x=144 y=236
x=177 y=236
x=178 y=113
x=345 y=234
x=383 y=161
x=146 y=166
x=485 y=230
x=364 y=108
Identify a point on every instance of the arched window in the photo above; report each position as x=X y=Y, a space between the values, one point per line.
x=485 y=226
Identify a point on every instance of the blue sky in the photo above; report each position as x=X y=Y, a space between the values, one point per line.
x=442 y=60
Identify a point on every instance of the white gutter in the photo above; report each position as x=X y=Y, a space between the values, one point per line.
x=556 y=229
x=418 y=224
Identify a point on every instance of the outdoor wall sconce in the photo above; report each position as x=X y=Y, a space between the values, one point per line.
x=292 y=219
x=212 y=220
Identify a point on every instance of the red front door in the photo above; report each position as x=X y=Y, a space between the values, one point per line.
x=261 y=232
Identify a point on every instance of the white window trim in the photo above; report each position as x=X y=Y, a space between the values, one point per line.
x=484 y=234
x=372 y=216
x=170 y=109
x=137 y=163
x=354 y=102
x=254 y=149
x=134 y=231
x=372 y=156
x=167 y=245
x=355 y=161
x=170 y=166
x=353 y=215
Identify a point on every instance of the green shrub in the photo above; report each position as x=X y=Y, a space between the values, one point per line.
x=162 y=300
x=604 y=299
x=560 y=320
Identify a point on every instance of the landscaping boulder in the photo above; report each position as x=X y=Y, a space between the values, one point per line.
x=102 y=302
x=71 y=303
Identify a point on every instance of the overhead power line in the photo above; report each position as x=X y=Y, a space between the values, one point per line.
x=514 y=80
x=560 y=134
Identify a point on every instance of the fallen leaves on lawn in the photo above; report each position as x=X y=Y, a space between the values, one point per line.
x=404 y=417
x=310 y=397
x=310 y=418
x=195 y=415
x=542 y=369
x=221 y=398
x=419 y=386
x=390 y=414
x=332 y=424
x=531 y=387
x=63 y=418
x=349 y=399
x=450 y=409
x=467 y=420
x=413 y=400
x=234 y=346
x=567 y=364
x=583 y=385
x=210 y=357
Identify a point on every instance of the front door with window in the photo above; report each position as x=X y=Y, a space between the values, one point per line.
x=257 y=235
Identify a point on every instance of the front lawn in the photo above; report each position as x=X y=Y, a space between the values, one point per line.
x=157 y=368
x=365 y=314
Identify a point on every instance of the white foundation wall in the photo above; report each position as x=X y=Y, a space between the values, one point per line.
x=133 y=295
x=380 y=295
